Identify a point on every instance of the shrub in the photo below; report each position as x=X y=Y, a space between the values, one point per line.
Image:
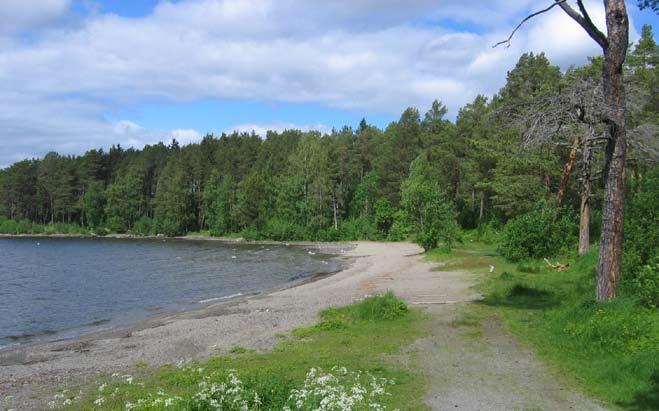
x=378 y=308
x=116 y=224
x=359 y=229
x=645 y=284
x=488 y=233
x=168 y=227
x=539 y=233
x=384 y=216
x=401 y=229
x=143 y=226
x=281 y=230
x=619 y=327
x=640 y=263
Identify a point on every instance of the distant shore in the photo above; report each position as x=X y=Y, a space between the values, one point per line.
x=193 y=237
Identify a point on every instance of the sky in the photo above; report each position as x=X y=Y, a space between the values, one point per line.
x=83 y=74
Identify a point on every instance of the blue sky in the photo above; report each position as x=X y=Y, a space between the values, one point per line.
x=81 y=74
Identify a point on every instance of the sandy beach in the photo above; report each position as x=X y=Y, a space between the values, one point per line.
x=32 y=372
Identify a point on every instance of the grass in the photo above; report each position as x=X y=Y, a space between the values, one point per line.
x=610 y=350
x=367 y=337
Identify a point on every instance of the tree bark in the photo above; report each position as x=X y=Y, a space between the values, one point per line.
x=567 y=171
x=586 y=188
x=610 y=258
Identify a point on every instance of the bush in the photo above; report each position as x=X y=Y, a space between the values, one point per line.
x=359 y=229
x=116 y=224
x=401 y=229
x=281 y=230
x=618 y=327
x=168 y=227
x=143 y=226
x=379 y=308
x=645 y=284
x=384 y=216
x=488 y=233
x=540 y=233
x=640 y=263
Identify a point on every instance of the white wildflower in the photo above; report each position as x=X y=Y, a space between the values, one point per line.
x=99 y=401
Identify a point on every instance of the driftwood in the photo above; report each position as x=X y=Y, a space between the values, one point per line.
x=558 y=266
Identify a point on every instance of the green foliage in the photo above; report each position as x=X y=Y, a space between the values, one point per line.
x=116 y=224
x=641 y=246
x=144 y=226
x=380 y=308
x=384 y=216
x=168 y=227
x=539 y=233
x=359 y=229
x=125 y=201
x=428 y=209
x=281 y=230
x=25 y=226
x=488 y=233
x=93 y=204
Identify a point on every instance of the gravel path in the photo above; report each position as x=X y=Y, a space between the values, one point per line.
x=491 y=372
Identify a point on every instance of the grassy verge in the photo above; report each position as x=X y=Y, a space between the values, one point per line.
x=610 y=349
x=367 y=338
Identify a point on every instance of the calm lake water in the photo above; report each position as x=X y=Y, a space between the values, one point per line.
x=59 y=288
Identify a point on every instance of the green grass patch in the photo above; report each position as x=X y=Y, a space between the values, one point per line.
x=611 y=350
x=367 y=338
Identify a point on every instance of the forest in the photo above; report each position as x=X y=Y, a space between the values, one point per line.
x=524 y=168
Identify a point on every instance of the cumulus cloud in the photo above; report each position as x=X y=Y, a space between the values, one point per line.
x=368 y=55
x=20 y=15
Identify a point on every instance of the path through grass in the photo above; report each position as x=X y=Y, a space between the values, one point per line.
x=610 y=350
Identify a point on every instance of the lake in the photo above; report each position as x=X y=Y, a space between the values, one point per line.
x=52 y=288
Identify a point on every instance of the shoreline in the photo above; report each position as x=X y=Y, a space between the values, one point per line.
x=193 y=237
x=31 y=375
x=334 y=250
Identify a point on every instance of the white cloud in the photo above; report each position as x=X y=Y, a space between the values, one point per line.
x=366 y=55
x=19 y=15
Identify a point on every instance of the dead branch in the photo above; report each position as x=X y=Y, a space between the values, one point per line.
x=558 y=266
x=524 y=20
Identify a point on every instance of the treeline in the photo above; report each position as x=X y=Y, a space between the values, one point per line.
x=422 y=176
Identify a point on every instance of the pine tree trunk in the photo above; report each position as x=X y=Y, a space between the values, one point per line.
x=610 y=258
x=586 y=188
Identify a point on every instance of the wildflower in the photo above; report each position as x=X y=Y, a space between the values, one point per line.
x=99 y=401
